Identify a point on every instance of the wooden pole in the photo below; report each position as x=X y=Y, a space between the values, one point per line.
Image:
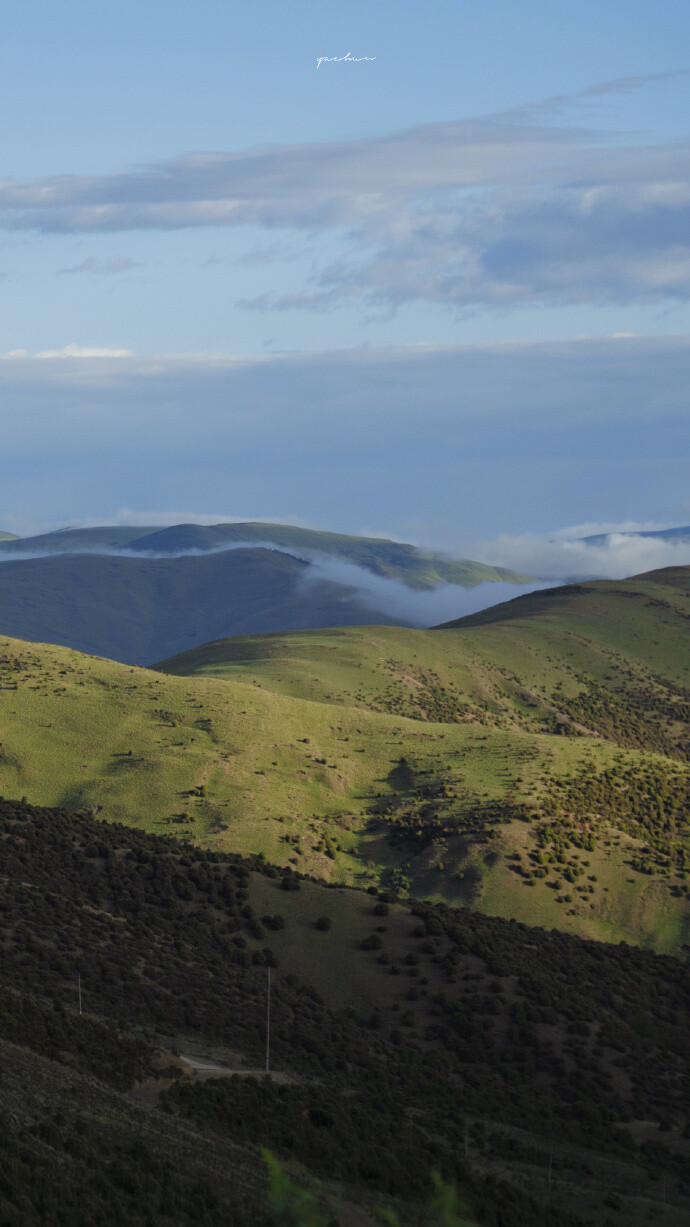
x=268 y=1021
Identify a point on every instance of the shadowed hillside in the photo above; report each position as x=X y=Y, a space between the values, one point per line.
x=446 y=1040
x=136 y=609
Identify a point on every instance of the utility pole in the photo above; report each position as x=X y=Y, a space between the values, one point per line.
x=268 y=1020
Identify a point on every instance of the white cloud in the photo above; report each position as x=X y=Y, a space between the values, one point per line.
x=564 y=557
x=408 y=606
x=482 y=213
x=79 y=351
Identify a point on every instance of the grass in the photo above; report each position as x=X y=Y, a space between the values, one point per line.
x=291 y=746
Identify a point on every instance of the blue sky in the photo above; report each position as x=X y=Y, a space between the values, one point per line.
x=182 y=181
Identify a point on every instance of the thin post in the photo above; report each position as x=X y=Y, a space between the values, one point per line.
x=550 y=1165
x=79 y=985
x=268 y=1020
x=467 y=1137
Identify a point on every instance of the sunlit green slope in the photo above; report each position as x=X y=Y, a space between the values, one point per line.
x=534 y=767
x=571 y=705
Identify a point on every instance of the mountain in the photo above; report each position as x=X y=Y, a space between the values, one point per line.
x=392 y=559
x=71 y=540
x=534 y=766
x=8 y=537
x=138 y=594
x=663 y=534
x=137 y=609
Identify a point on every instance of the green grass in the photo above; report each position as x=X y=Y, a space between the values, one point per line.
x=291 y=745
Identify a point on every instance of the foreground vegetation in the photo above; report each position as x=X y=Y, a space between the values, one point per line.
x=405 y=1040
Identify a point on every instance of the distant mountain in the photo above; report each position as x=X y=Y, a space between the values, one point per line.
x=139 y=594
x=138 y=610
x=72 y=540
x=664 y=534
x=395 y=560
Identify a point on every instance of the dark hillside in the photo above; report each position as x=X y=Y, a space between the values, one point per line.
x=136 y=610
x=522 y=1038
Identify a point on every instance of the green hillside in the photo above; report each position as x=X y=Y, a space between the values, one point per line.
x=403 y=1040
x=568 y=708
x=8 y=537
x=392 y=559
x=534 y=767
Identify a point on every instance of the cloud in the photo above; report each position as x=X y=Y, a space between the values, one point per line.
x=415 y=439
x=77 y=351
x=563 y=556
x=485 y=213
x=103 y=268
x=558 y=103
x=407 y=606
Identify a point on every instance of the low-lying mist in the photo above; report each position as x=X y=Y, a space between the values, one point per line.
x=563 y=558
x=410 y=606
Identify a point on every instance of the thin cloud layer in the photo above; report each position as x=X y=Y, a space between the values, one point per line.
x=484 y=213
x=479 y=439
x=102 y=268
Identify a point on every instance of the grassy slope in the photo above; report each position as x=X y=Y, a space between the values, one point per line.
x=517 y=677
x=308 y=779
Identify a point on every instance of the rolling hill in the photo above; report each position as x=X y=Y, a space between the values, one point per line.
x=533 y=765
x=135 y=609
x=392 y=559
x=137 y=594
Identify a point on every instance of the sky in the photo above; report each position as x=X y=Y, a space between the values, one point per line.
x=435 y=286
